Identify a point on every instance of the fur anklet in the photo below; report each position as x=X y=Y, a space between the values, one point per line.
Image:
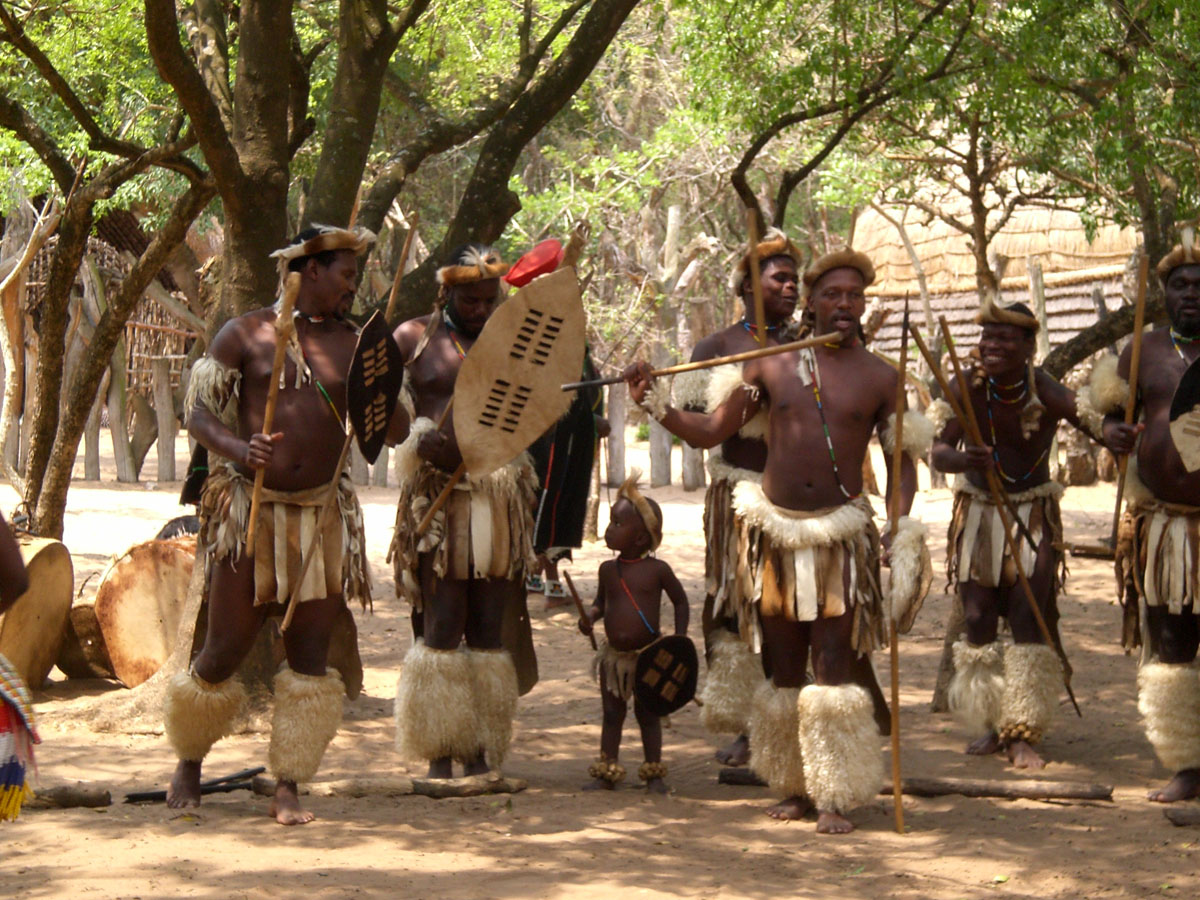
x=1019 y=731
x=648 y=771
x=607 y=770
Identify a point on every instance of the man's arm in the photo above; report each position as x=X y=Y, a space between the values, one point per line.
x=14 y=580
x=1119 y=437
x=677 y=596
x=946 y=457
x=699 y=430
x=908 y=472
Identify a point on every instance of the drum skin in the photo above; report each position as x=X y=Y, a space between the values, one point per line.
x=31 y=632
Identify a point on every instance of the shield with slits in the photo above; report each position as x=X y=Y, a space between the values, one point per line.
x=373 y=385
x=1185 y=417
x=508 y=389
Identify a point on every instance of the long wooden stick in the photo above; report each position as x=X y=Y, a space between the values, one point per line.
x=408 y=242
x=1011 y=789
x=1135 y=359
x=894 y=527
x=760 y=313
x=832 y=337
x=283 y=329
x=579 y=606
x=999 y=501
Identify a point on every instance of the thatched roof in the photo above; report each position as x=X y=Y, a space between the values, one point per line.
x=1056 y=238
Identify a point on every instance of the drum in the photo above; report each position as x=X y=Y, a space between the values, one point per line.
x=31 y=632
x=666 y=673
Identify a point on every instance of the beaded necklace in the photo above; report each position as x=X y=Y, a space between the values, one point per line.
x=993 y=391
x=452 y=327
x=837 y=474
x=753 y=329
x=992 y=433
x=1177 y=339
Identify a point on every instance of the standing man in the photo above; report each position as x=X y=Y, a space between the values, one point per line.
x=1157 y=551
x=735 y=668
x=226 y=400
x=1008 y=694
x=811 y=543
x=455 y=702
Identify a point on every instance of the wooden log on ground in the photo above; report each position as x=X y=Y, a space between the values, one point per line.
x=468 y=786
x=70 y=796
x=31 y=632
x=139 y=604
x=1015 y=789
x=1182 y=816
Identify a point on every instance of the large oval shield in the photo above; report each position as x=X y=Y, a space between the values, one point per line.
x=1185 y=417
x=507 y=392
x=373 y=385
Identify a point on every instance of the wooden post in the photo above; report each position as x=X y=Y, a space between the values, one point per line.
x=164 y=413
x=91 y=435
x=693 y=468
x=358 y=466
x=379 y=471
x=618 y=397
x=1037 y=296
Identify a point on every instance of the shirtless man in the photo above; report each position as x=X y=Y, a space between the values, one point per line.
x=629 y=593
x=1156 y=552
x=813 y=543
x=734 y=668
x=459 y=575
x=226 y=398
x=1009 y=695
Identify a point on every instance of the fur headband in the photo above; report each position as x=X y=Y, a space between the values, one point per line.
x=474 y=263
x=652 y=521
x=774 y=243
x=841 y=259
x=327 y=238
x=992 y=313
x=1184 y=253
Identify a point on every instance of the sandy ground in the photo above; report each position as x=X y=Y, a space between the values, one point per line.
x=703 y=840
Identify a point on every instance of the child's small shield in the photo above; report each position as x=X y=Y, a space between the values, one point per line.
x=373 y=385
x=665 y=675
x=1185 y=418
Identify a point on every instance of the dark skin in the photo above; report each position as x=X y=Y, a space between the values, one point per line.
x=1160 y=467
x=301 y=453
x=14 y=580
x=859 y=394
x=781 y=290
x=453 y=610
x=1005 y=351
x=647 y=579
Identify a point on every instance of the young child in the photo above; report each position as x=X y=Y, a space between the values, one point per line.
x=628 y=597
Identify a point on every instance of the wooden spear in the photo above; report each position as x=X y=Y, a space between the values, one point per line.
x=760 y=313
x=389 y=315
x=285 y=327
x=893 y=634
x=1135 y=359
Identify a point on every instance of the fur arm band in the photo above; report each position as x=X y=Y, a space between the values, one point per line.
x=657 y=400
x=216 y=387
x=1105 y=392
x=939 y=413
x=690 y=390
x=912 y=573
x=917 y=434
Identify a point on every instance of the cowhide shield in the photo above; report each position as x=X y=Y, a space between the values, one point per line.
x=1185 y=417
x=666 y=673
x=373 y=385
x=507 y=392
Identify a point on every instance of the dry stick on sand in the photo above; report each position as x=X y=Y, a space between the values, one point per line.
x=965 y=413
x=284 y=328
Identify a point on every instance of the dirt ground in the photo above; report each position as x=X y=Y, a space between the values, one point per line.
x=703 y=840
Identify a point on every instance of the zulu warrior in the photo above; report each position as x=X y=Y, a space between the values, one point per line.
x=628 y=599
x=468 y=569
x=226 y=399
x=1006 y=696
x=811 y=543
x=1156 y=551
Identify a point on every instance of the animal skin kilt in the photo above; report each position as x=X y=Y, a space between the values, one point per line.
x=1157 y=560
x=734 y=670
x=459 y=703
x=1009 y=689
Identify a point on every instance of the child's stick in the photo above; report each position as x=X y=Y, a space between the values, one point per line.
x=579 y=606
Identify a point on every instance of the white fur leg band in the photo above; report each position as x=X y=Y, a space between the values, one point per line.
x=774 y=739
x=977 y=688
x=494 y=682
x=435 y=706
x=657 y=400
x=197 y=714
x=843 y=765
x=1033 y=678
x=1169 y=701
x=308 y=710
x=912 y=573
x=734 y=674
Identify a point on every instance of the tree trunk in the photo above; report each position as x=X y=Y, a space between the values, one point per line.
x=91 y=440
x=358 y=465
x=954 y=629
x=168 y=424
x=117 y=416
x=379 y=471
x=693 y=469
x=617 y=396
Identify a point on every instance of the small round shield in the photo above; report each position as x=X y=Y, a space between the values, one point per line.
x=665 y=676
x=541 y=260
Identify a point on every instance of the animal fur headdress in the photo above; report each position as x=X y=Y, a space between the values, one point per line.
x=326 y=238
x=651 y=519
x=839 y=259
x=992 y=313
x=1185 y=253
x=470 y=263
x=774 y=243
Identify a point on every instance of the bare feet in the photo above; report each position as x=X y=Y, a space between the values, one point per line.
x=986 y=745
x=440 y=768
x=656 y=786
x=477 y=766
x=737 y=753
x=286 y=806
x=790 y=810
x=599 y=784
x=1023 y=756
x=829 y=822
x=1184 y=786
x=184 y=789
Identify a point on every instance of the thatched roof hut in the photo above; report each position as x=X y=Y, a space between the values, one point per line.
x=1078 y=273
